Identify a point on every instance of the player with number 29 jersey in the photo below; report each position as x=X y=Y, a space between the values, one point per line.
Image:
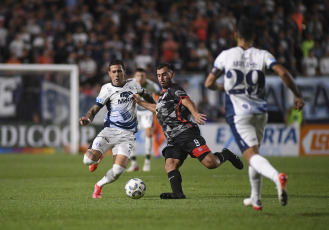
x=244 y=80
x=246 y=112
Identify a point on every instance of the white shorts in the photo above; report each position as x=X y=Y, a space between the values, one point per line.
x=120 y=141
x=145 y=119
x=248 y=130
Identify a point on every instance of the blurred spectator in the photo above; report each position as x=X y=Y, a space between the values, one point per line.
x=16 y=46
x=310 y=64
x=116 y=45
x=169 y=47
x=200 y=26
x=117 y=29
x=282 y=56
x=325 y=42
x=178 y=63
x=143 y=59
x=307 y=45
x=72 y=58
x=94 y=46
x=13 y=59
x=61 y=53
x=46 y=57
x=298 y=16
x=324 y=64
x=32 y=27
x=39 y=42
x=293 y=116
x=315 y=27
x=192 y=62
x=87 y=67
x=80 y=36
x=202 y=52
x=3 y=33
x=26 y=57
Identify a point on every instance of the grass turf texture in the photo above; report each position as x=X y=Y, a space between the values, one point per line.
x=54 y=192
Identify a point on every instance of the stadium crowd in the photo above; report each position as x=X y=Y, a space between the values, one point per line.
x=187 y=33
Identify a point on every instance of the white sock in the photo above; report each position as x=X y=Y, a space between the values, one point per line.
x=88 y=161
x=256 y=183
x=148 y=145
x=112 y=175
x=133 y=162
x=263 y=166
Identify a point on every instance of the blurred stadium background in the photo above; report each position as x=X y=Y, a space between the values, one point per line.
x=39 y=112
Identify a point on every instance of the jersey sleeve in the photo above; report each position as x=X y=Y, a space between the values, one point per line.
x=178 y=92
x=269 y=60
x=219 y=61
x=103 y=96
x=139 y=88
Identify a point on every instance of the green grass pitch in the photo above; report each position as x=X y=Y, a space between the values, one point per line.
x=54 y=192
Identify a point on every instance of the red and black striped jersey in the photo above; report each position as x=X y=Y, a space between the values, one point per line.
x=172 y=115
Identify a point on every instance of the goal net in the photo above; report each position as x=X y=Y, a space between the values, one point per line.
x=39 y=108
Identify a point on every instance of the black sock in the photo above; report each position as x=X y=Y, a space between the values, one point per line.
x=221 y=156
x=133 y=158
x=148 y=157
x=175 y=180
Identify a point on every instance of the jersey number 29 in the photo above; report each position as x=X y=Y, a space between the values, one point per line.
x=252 y=83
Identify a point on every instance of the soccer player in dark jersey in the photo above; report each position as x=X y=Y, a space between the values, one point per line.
x=174 y=111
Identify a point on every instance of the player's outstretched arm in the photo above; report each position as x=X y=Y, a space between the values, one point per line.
x=211 y=83
x=198 y=117
x=90 y=115
x=148 y=97
x=290 y=83
x=145 y=104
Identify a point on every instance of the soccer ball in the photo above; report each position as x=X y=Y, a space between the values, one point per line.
x=135 y=188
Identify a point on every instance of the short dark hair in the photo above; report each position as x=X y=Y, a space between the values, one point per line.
x=140 y=70
x=116 y=62
x=165 y=64
x=245 y=28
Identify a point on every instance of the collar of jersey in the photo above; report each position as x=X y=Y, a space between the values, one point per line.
x=119 y=86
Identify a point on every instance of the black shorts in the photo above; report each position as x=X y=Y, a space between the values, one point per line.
x=190 y=142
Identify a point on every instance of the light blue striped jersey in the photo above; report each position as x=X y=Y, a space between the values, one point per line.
x=122 y=110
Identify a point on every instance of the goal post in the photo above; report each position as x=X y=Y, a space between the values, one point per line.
x=73 y=72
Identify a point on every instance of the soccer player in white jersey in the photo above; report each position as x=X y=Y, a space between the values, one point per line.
x=120 y=124
x=145 y=121
x=244 y=84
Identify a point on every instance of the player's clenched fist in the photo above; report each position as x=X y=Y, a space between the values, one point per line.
x=84 y=121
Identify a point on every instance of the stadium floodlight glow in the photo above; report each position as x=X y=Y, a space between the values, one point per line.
x=73 y=71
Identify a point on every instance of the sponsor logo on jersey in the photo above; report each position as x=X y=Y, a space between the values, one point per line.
x=125 y=97
x=99 y=100
x=180 y=93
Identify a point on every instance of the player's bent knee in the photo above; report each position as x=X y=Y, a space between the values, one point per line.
x=88 y=161
x=117 y=171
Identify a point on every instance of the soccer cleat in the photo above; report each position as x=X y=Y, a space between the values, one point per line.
x=256 y=205
x=93 y=167
x=167 y=196
x=97 y=192
x=234 y=159
x=282 y=190
x=133 y=168
x=147 y=167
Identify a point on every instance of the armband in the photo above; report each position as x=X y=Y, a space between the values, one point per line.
x=216 y=72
